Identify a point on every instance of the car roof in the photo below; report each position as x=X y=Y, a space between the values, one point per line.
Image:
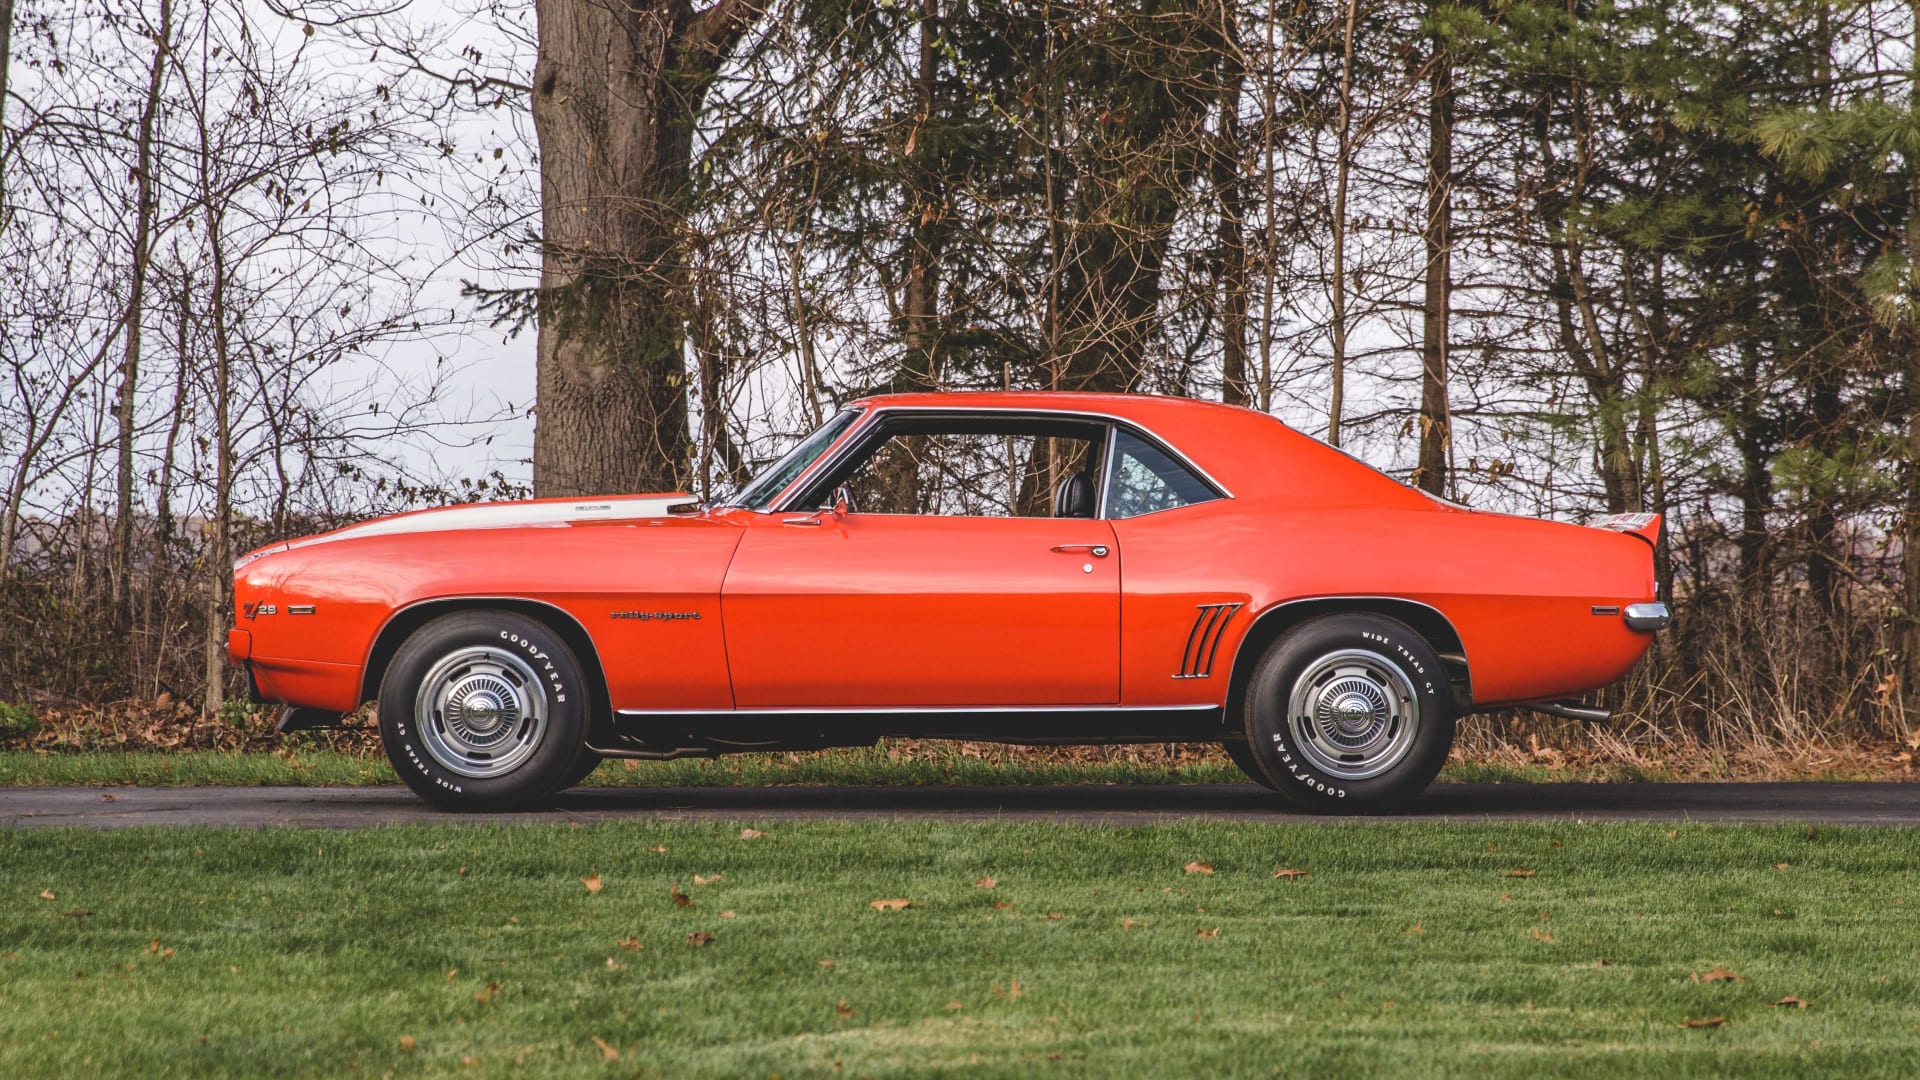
x=1249 y=452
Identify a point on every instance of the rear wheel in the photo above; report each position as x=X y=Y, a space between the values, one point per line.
x=1349 y=714
x=484 y=710
x=1242 y=755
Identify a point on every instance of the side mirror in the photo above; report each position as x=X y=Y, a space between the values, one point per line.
x=842 y=501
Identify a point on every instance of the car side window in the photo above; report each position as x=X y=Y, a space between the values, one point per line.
x=1145 y=479
x=1006 y=473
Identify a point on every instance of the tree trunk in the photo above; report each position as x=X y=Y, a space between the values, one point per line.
x=120 y=564
x=1230 y=183
x=1342 y=172
x=1435 y=436
x=616 y=91
x=6 y=58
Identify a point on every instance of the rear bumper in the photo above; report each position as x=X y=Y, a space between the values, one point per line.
x=1648 y=617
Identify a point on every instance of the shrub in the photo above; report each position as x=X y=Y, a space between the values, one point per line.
x=17 y=722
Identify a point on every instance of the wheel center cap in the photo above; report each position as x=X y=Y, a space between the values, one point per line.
x=1353 y=713
x=484 y=712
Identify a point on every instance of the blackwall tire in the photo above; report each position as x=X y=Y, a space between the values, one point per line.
x=484 y=710
x=583 y=767
x=1349 y=714
x=1242 y=755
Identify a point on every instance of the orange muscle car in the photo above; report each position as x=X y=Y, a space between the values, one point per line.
x=1025 y=567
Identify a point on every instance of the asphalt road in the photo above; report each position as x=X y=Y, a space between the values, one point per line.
x=346 y=808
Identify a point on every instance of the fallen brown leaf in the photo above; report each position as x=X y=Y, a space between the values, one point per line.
x=698 y=880
x=1718 y=974
x=109 y=798
x=1708 y=1022
x=607 y=1052
x=615 y=965
x=1290 y=873
x=592 y=882
x=1199 y=868
x=727 y=914
x=986 y=883
x=408 y=1042
x=1131 y=924
x=751 y=834
x=1213 y=932
x=1781 y=865
x=487 y=993
x=1416 y=928
x=843 y=1009
x=1517 y=872
x=658 y=849
x=1055 y=915
x=699 y=937
x=955 y=1005
x=631 y=943
x=1013 y=989
x=1792 y=1002
x=1538 y=934
x=826 y=965
x=47 y=894
x=680 y=899
x=890 y=905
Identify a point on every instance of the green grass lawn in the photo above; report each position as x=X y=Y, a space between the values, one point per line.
x=1518 y=950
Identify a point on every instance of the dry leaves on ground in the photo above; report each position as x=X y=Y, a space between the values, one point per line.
x=408 y=1042
x=630 y=943
x=1792 y=1002
x=889 y=905
x=680 y=899
x=699 y=937
x=699 y=880
x=986 y=883
x=1517 y=872
x=1199 y=868
x=1718 y=974
x=751 y=834
x=1290 y=873
x=1207 y=932
x=592 y=882
x=607 y=1052
x=1704 y=1022
x=487 y=993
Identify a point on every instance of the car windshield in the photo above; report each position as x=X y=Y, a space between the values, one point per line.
x=772 y=480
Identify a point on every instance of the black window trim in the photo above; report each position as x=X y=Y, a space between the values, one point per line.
x=860 y=436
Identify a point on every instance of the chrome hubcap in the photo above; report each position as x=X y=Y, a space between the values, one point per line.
x=482 y=711
x=1353 y=714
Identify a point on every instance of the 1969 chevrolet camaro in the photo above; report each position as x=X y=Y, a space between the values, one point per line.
x=1026 y=567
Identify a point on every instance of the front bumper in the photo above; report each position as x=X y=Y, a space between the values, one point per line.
x=1648 y=617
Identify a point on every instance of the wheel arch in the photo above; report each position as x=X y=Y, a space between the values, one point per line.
x=1424 y=619
x=402 y=623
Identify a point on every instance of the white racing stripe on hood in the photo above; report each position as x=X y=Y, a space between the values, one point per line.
x=510 y=515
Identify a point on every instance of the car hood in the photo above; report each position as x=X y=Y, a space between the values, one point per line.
x=533 y=513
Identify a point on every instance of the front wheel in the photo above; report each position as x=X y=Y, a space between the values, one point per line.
x=1349 y=714
x=484 y=710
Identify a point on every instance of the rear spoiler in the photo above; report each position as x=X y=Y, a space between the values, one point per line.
x=1644 y=526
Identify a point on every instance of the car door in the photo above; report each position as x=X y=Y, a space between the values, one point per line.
x=883 y=610
x=829 y=609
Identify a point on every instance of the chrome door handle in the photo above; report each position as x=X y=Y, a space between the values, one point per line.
x=1098 y=551
x=807 y=519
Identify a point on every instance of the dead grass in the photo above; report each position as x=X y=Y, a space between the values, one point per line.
x=1752 y=741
